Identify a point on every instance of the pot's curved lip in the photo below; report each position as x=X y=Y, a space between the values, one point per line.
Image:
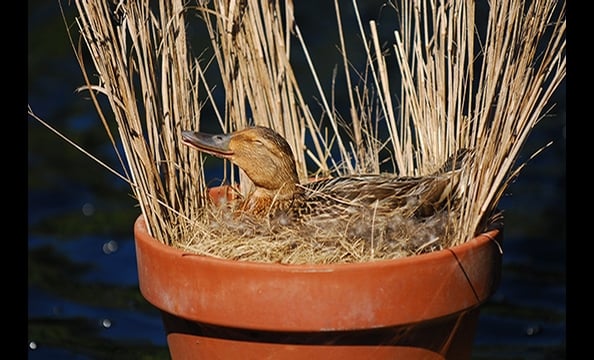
x=478 y=241
x=314 y=297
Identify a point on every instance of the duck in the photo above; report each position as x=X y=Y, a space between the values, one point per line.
x=267 y=159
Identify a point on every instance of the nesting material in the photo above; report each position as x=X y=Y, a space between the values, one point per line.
x=358 y=235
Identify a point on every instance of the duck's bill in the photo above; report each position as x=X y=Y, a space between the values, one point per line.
x=213 y=144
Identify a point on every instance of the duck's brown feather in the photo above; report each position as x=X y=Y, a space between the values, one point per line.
x=277 y=191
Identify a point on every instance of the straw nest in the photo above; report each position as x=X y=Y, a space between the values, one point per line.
x=357 y=236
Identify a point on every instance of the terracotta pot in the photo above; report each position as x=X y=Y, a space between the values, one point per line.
x=419 y=307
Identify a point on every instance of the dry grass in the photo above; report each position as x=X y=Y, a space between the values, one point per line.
x=460 y=88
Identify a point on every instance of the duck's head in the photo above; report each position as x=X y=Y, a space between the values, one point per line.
x=264 y=156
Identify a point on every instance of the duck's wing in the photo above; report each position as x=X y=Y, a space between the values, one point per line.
x=456 y=161
x=419 y=196
x=385 y=193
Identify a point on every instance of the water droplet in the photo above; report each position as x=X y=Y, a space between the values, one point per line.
x=106 y=323
x=533 y=330
x=110 y=247
x=88 y=209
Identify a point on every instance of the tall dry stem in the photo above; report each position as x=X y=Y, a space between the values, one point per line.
x=460 y=85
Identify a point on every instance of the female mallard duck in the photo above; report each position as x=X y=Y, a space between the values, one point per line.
x=267 y=159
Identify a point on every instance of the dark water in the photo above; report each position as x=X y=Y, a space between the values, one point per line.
x=83 y=298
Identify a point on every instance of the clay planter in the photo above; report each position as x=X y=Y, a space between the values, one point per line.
x=419 y=307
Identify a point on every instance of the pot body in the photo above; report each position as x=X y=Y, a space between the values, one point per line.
x=419 y=307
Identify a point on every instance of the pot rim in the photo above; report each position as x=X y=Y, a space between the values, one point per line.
x=494 y=235
x=314 y=297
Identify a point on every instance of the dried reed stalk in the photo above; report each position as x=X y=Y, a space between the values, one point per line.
x=153 y=86
x=251 y=43
x=520 y=64
x=144 y=71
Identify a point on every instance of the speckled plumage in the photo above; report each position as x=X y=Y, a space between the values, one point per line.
x=366 y=203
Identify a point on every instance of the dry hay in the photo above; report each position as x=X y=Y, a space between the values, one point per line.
x=359 y=236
